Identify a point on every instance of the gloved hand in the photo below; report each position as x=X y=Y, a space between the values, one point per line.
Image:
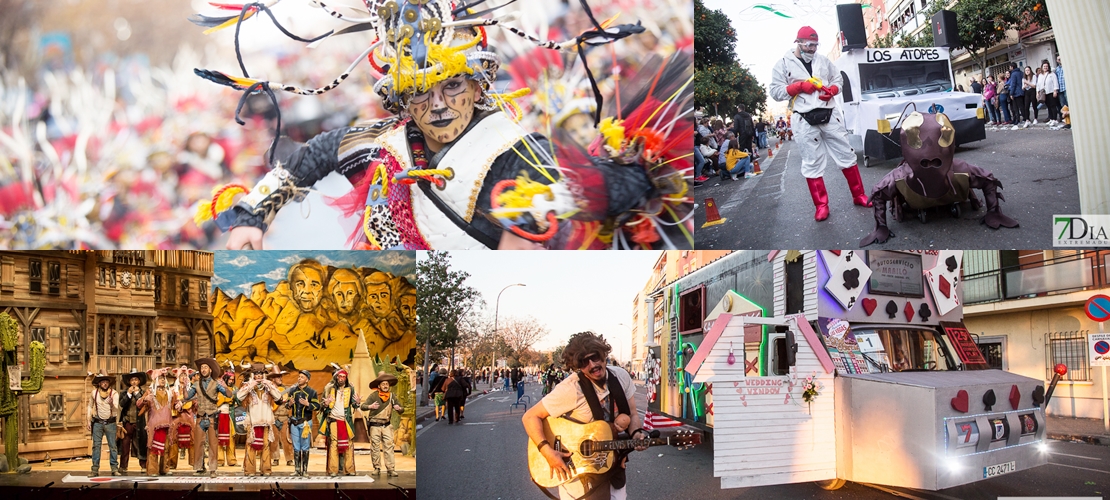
x=800 y=87
x=828 y=92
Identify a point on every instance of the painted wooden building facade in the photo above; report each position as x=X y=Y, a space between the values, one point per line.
x=110 y=311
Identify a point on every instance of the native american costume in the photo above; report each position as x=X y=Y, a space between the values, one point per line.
x=259 y=397
x=159 y=402
x=225 y=428
x=184 y=424
x=629 y=191
x=337 y=421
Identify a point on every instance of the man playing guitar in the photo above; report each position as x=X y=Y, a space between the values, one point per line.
x=593 y=392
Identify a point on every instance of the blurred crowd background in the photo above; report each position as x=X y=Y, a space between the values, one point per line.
x=108 y=140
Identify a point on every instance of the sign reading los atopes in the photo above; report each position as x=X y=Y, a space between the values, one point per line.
x=884 y=55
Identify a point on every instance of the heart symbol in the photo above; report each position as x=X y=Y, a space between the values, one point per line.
x=909 y=311
x=869 y=305
x=743 y=399
x=835 y=252
x=945 y=287
x=1015 y=396
x=734 y=384
x=959 y=402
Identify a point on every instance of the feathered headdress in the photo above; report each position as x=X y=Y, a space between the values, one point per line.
x=418 y=44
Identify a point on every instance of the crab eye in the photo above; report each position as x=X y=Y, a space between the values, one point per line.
x=947 y=131
x=911 y=126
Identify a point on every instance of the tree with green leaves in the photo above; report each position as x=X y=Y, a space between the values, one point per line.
x=720 y=82
x=442 y=300
x=714 y=37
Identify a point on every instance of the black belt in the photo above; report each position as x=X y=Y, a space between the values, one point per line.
x=103 y=421
x=377 y=424
x=297 y=421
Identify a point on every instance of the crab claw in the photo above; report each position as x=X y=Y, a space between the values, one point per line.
x=994 y=219
x=879 y=235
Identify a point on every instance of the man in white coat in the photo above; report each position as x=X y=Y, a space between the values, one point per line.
x=810 y=81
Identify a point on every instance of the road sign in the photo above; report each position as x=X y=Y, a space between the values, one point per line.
x=1098 y=351
x=1098 y=308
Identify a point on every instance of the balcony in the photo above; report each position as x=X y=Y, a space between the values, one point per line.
x=115 y=365
x=1084 y=271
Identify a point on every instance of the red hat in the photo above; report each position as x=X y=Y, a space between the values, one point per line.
x=807 y=33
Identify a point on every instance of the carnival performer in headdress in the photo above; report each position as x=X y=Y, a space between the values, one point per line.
x=453 y=169
x=205 y=395
x=159 y=402
x=103 y=411
x=259 y=395
x=225 y=427
x=337 y=420
x=184 y=424
x=132 y=420
x=302 y=401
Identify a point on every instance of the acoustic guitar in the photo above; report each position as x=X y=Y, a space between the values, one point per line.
x=592 y=448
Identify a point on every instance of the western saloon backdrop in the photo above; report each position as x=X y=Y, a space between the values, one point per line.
x=314 y=310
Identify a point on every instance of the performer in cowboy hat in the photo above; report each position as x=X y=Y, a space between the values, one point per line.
x=378 y=409
x=132 y=420
x=259 y=395
x=303 y=401
x=204 y=393
x=281 y=420
x=101 y=416
x=184 y=424
x=159 y=403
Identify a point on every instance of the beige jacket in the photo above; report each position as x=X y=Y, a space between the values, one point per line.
x=259 y=398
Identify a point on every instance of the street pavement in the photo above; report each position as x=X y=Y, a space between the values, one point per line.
x=486 y=458
x=774 y=210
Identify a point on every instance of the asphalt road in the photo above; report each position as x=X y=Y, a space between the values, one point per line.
x=486 y=458
x=1036 y=167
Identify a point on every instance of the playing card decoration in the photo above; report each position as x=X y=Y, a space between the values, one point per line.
x=891 y=309
x=944 y=280
x=869 y=305
x=924 y=311
x=959 y=403
x=989 y=399
x=1015 y=397
x=1038 y=396
x=909 y=311
x=847 y=273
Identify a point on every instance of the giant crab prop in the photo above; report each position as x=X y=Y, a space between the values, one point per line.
x=930 y=177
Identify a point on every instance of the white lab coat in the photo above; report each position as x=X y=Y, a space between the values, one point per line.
x=818 y=143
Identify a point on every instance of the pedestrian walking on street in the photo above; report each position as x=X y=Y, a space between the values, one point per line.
x=437 y=390
x=810 y=82
x=455 y=390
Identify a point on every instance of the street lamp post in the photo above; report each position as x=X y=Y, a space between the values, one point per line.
x=496 y=314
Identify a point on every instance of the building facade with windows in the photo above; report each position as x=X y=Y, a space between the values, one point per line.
x=1026 y=306
x=110 y=311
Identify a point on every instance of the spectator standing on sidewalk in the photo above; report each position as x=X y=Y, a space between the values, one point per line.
x=990 y=100
x=1060 y=81
x=1051 y=90
x=1018 y=110
x=1002 y=90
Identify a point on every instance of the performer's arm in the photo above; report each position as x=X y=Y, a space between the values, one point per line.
x=779 y=83
x=192 y=393
x=287 y=182
x=533 y=425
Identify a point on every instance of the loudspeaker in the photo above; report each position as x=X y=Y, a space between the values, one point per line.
x=850 y=17
x=945 y=32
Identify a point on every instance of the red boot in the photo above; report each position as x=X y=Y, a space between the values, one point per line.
x=820 y=197
x=859 y=194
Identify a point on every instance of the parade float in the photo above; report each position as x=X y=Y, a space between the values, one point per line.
x=843 y=366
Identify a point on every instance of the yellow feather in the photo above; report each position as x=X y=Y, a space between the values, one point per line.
x=204 y=213
x=229 y=22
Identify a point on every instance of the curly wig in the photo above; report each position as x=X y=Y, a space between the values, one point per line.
x=582 y=345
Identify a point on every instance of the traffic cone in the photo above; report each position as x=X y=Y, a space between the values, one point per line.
x=770 y=153
x=755 y=167
x=712 y=216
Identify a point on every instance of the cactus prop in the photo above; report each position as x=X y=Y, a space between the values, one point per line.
x=9 y=399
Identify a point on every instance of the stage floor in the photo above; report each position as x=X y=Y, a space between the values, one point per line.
x=70 y=478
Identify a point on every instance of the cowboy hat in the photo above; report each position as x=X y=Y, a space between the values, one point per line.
x=275 y=372
x=385 y=377
x=135 y=373
x=213 y=366
x=102 y=376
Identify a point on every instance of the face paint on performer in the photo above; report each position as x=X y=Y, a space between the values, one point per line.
x=445 y=110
